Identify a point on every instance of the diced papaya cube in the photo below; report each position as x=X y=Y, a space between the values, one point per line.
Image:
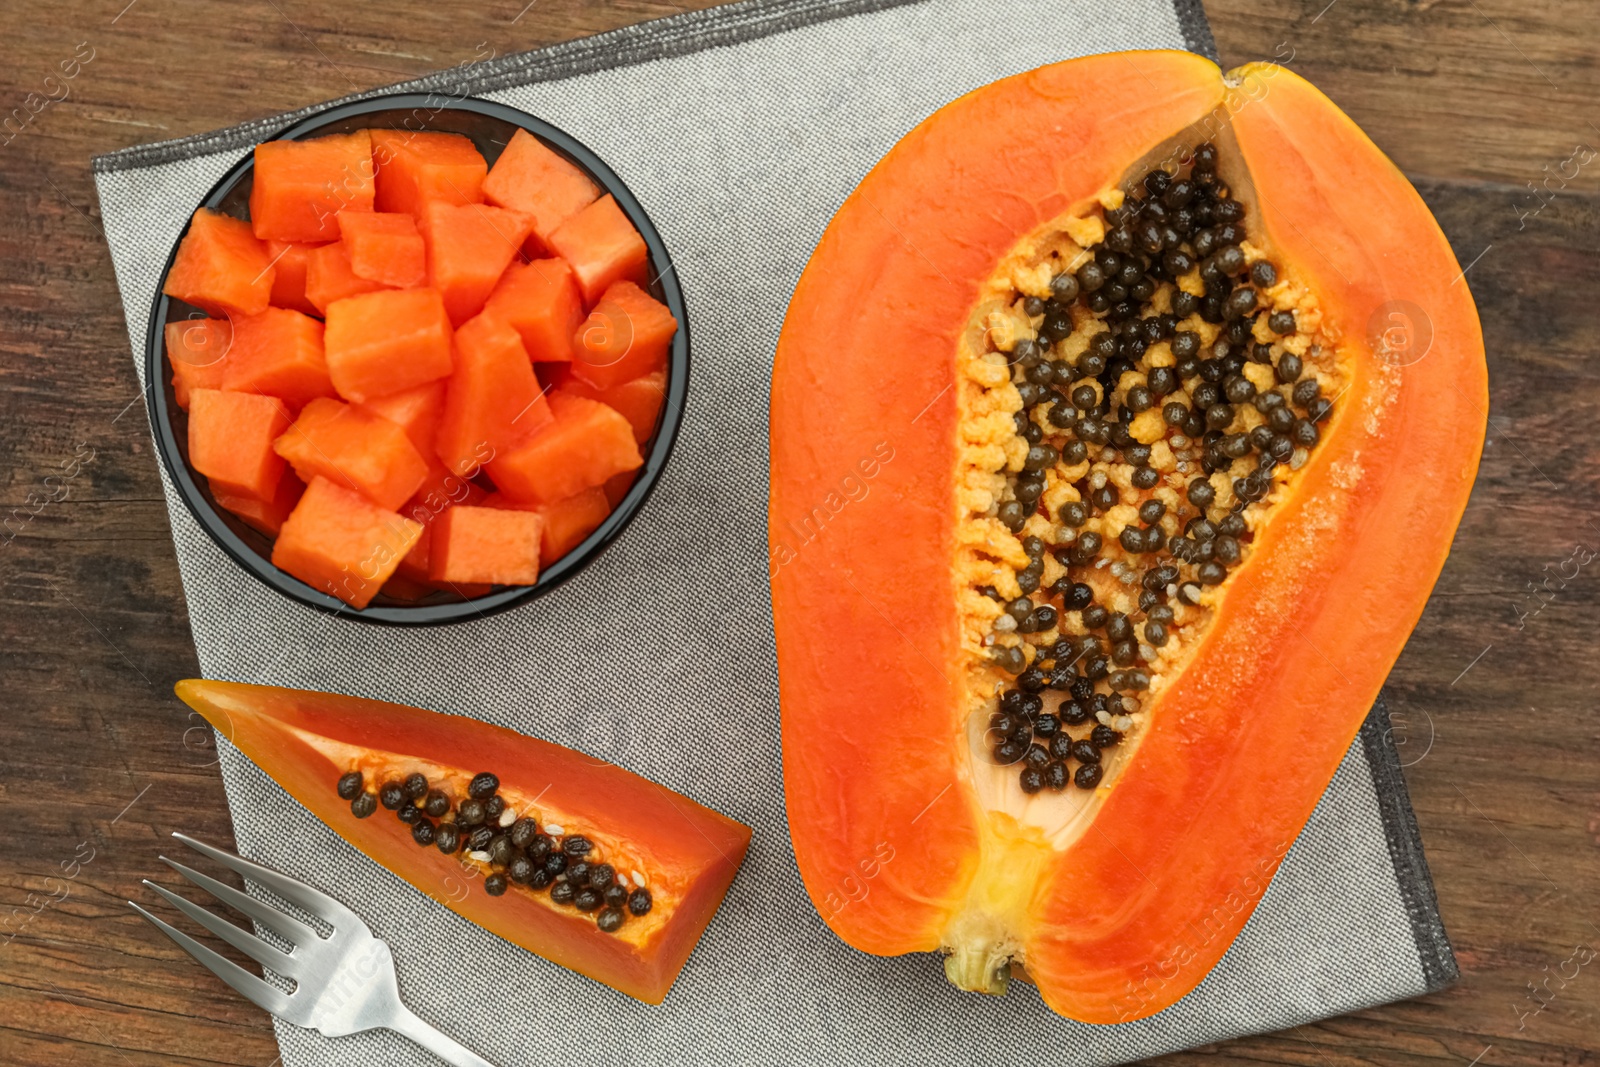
x=299 y=187
x=279 y=353
x=384 y=247
x=625 y=336
x=266 y=516
x=416 y=411
x=638 y=399
x=493 y=401
x=384 y=342
x=485 y=545
x=230 y=441
x=469 y=247
x=197 y=350
x=541 y=300
x=354 y=448
x=617 y=487
x=566 y=522
x=220 y=267
x=602 y=246
x=330 y=277
x=290 y=262
x=534 y=178
x=339 y=542
x=440 y=489
x=419 y=167
x=401 y=586
x=586 y=444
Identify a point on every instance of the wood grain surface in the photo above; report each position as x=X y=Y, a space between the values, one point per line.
x=1489 y=105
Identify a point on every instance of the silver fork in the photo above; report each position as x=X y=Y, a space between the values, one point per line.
x=345 y=982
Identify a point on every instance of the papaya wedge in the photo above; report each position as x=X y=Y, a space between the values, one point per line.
x=575 y=859
x=1121 y=423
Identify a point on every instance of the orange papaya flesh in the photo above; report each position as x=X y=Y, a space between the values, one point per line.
x=493 y=401
x=533 y=178
x=330 y=276
x=626 y=335
x=566 y=522
x=441 y=488
x=639 y=400
x=386 y=342
x=299 y=187
x=497 y=546
x=1046 y=810
x=196 y=350
x=230 y=441
x=280 y=353
x=602 y=246
x=541 y=301
x=419 y=167
x=416 y=411
x=384 y=247
x=340 y=543
x=266 y=516
x=424 y=509
x=469 y=248
x=617 y=486
x=355 y=448
x=669 y=859
x=290 y=261
x=585 y=444
x=220 y=267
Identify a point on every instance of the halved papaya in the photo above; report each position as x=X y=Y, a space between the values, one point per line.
x=575 y=859
x=1102 y=371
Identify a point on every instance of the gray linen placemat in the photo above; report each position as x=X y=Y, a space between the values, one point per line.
x=741 y=130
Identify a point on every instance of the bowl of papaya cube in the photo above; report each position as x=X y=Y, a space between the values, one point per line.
x=417 y=359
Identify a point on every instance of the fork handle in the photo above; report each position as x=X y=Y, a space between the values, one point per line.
x=441 y=1045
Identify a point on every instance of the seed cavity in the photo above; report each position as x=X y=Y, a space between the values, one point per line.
x=1130 y=415
x=471 y=818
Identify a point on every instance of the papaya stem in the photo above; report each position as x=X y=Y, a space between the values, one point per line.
x=979 y=968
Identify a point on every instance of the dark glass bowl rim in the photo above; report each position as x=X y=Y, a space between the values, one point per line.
x=160 y=401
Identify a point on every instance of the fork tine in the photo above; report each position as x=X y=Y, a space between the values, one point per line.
x=243 y=940
x=257 y=991
x=285 y=926
x=296 y=892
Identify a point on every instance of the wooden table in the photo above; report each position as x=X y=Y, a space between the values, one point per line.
x=1482 y=102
